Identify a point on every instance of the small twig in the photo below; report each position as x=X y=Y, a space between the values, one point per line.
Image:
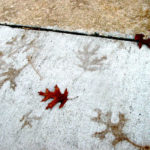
x=30 y=62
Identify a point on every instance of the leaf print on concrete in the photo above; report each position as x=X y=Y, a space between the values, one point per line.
x=10 y=75
x=2 y=62
x=22 y=43
x=28 y=120
x=115 y=128
x=89 y=59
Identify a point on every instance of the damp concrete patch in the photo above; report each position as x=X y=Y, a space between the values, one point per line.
x=109 y=78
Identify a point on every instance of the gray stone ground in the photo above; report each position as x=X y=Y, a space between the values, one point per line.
x=111 y=79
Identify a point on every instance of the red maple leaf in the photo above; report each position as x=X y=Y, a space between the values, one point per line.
x=57 y=97
x=141 y=41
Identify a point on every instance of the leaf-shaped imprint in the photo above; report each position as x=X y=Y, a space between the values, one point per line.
x=10 y=75
x=23 y=43
x=2 y=62
x=89 y=59
x=115 y=128
x=28 y=120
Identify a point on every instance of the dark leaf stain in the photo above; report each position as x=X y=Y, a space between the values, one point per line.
x=115 y=128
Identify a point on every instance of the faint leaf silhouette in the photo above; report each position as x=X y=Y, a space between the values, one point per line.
x=10 y=75
x=89 y=60
x=22 y=43
x=2 y=62
x=28 y=120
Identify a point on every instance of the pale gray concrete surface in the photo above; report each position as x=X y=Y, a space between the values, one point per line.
x=111 y=79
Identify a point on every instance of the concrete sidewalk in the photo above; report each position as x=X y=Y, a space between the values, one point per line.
x=111 y=79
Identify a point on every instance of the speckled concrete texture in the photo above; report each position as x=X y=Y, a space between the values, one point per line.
x=103 y=16
x=111 y=79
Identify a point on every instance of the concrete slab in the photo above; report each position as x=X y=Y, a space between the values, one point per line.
x=113 y=17
x=111 y=79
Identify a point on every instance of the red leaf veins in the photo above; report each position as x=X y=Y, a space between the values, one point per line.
x=141 y=41
x=57 y=97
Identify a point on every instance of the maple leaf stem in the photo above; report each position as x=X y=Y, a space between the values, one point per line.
x=73 y=98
